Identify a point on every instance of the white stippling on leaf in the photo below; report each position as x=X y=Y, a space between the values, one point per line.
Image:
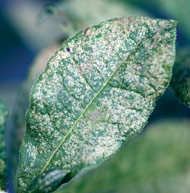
x=114 y=71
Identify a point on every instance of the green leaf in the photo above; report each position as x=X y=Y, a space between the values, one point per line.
x=3 y=117
x=22 y=104
x=157 y=161
x=97 y=91
x=181 y=76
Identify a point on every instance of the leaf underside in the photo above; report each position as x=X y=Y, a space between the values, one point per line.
x=181 y=76
x=3 y=117
x=97 y=91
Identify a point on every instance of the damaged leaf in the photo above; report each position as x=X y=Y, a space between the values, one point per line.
x=97 y=92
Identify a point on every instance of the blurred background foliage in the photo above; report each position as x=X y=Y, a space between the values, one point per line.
x=29 y=26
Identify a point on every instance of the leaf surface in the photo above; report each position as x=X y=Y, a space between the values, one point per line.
x=3 y=117
x=181 y=76
x=97 y=91
x=156 y=162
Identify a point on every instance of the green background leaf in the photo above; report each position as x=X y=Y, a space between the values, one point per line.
x=3 y=117
x=97 y=91
x=157 y=161
x=75 y=15
x=181 y=76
